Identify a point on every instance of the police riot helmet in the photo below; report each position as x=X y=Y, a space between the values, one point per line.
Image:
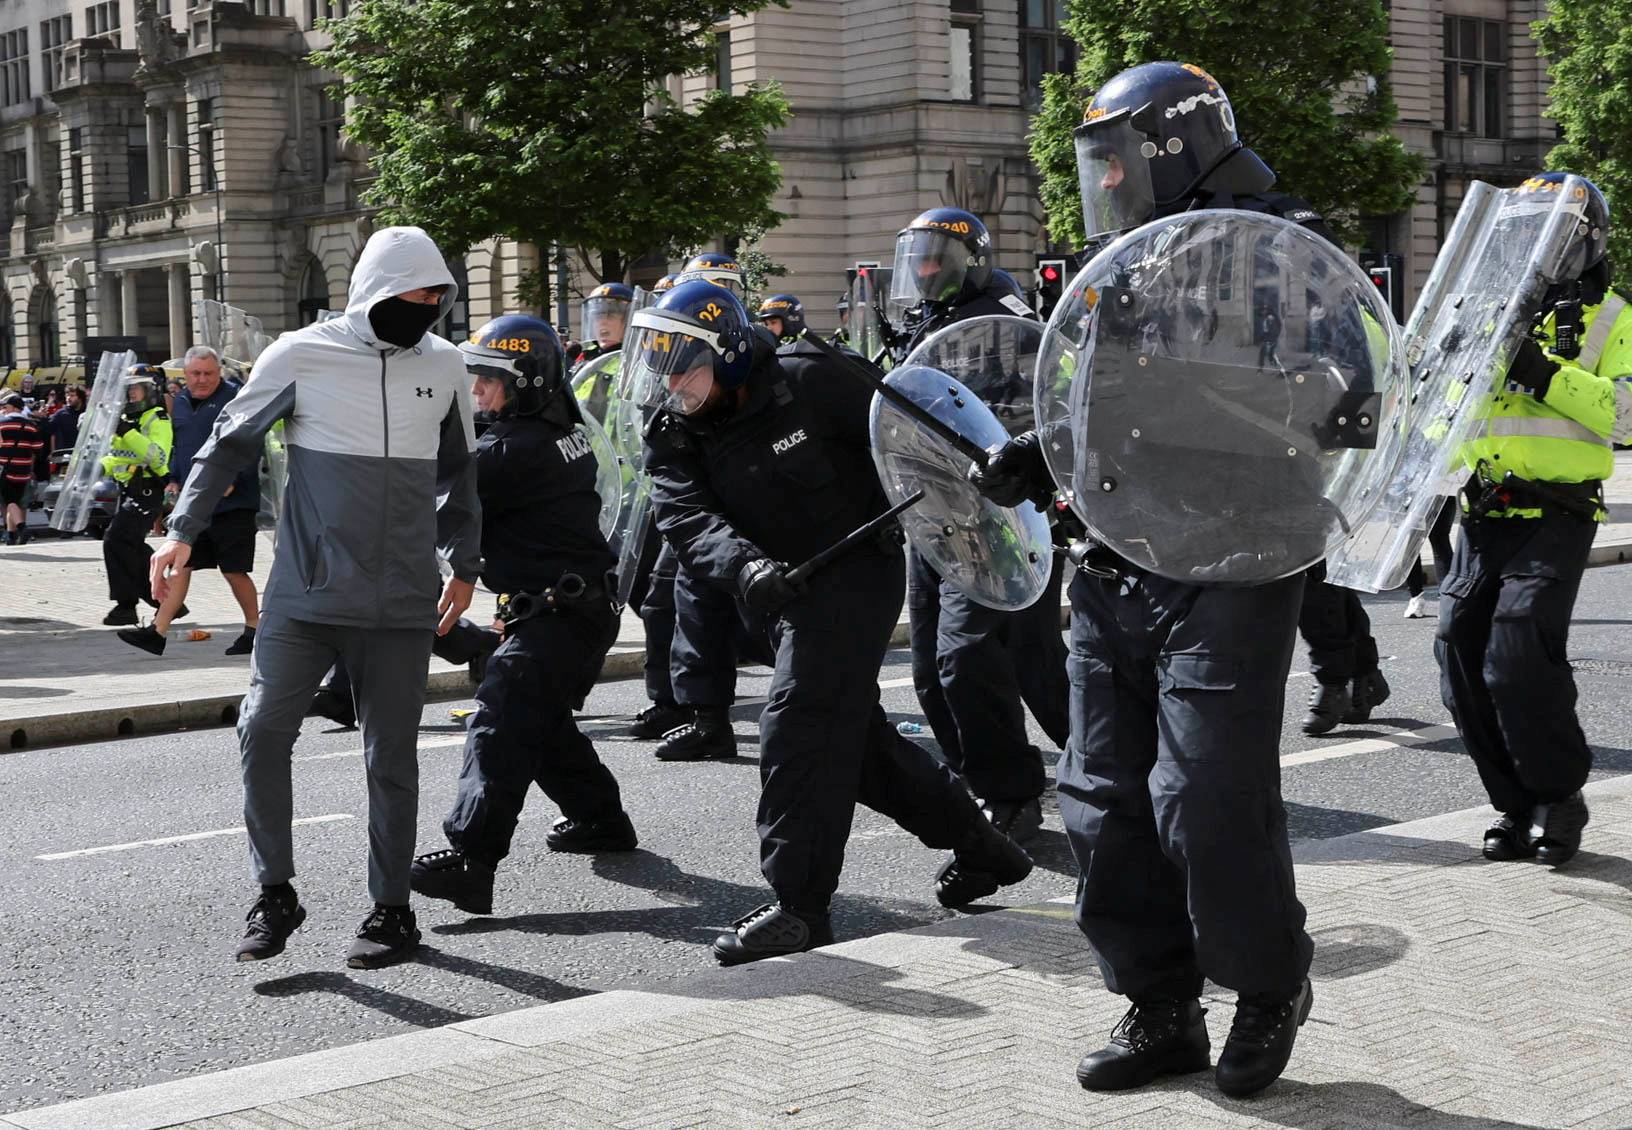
x=943 y=255
x=789 y=309
x=696 y=336
x=1592 y=223
x=718 y=268
x=1148 y=140
x=523 y=352
x=148 y=378
x=664 y=283
x=605 y=314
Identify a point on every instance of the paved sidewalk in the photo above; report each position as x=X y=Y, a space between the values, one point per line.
x=1449 y=993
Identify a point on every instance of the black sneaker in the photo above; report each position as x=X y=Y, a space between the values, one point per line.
x=244 y=644
x=1328 y=702
x=1155 y=1038
x=1020 y=820
x=657 y=720
x=986 y=861
x=147 y=637
x=616 y=833
x=771 y=931
x=121 y=615
x=336 y=708
x=1370 y=691
x=1260 y=1042
x=453 y=876
x=1509 y=838
x=271 y=920
x=1561 y=824
x=707 y=737
x=387 y=936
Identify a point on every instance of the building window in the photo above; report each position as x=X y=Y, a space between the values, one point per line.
x=964 y=35
x=14 y=165
x=1475 y=76
x=136 y=163
x=1044 y=47
x=8 y=337
x=47 y=350
x=314 y=293
x=331 y=115
x=325 y=10
x=206 y=143
x=54 y=33
x=102 y=21
x=14 y=67
x=77 y=166
x=456 y=326
x=265 y=7
x=722 y=60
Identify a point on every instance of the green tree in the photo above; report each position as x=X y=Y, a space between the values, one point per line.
x=1308 y=82
x=1588 y=46
x=552 y=122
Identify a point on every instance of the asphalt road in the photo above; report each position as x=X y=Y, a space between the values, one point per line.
x=115 y=963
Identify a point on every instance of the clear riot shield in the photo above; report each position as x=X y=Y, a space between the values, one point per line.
x=608 y=474
x=1505 y=249
x=626 y=417
x=97 y=428
x=998 y=557
x=1210 y=393
x=994 y=357
x=594 y=383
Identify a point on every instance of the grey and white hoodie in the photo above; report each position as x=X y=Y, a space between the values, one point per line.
x=382 y=475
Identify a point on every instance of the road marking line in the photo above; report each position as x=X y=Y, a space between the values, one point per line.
x=183 y=839
x=1404 y=739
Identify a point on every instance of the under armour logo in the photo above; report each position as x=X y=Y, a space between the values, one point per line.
x=423 y=391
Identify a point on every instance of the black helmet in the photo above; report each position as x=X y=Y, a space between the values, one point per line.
x=943 y=255
x=1149 y=139
x=1592 y=212
x=789 y=309
x=697 y=334
x=523 y=352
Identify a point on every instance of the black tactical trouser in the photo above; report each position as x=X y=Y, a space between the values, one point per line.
x=1502 y=646
x=824 y=742
x=657 y=614
x=1335 y=626
x=125 y=551
x=973 y=666
x=524 y=732
x=703 y=654
x=1170 y=785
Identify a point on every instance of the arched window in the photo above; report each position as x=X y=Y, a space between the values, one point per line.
x=42 y=321
x=314 y=292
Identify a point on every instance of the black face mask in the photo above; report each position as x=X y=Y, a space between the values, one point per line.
x=401 y=323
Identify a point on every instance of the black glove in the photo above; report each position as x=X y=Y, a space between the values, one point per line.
x=764 y=586
x=1015 y=472
x=1532 y=368
x=127 y=423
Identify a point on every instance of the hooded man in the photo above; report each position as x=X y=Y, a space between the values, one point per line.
x=378 y=429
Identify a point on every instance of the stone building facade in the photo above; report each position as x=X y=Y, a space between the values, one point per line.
x=160 y=151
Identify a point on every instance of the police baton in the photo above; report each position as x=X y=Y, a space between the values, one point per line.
x=799 y=574
x=961 y=443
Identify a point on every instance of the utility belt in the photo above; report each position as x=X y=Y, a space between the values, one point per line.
x=571 y=591
x=1484 y=496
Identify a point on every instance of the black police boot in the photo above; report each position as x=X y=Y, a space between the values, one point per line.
x=1328 y=702
x=1020 y=820
x=147 y=637
x=985 y=861
x=772 y=931
x=121 y=615
x=1509 y=838
x=336 y=708
x=616 y=833
x=275 y=915
x=386 y=936
x=657 y=720
x=453 y=876
x=1155 y=1038
x=1561 y=824
x=707 y=737
x=1370 y=691
x=1260 y=1041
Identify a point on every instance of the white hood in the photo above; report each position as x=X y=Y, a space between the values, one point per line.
x=395 y=261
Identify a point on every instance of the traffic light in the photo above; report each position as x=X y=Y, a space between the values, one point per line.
x=1050 y=285
x=1387 y=273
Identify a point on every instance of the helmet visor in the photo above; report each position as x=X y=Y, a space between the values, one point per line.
x=673 y=363
x=604 y=320
x=483 y=362
x=1113 y=169
x=930 y=266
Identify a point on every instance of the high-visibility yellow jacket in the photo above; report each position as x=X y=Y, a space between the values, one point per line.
x=145 y=448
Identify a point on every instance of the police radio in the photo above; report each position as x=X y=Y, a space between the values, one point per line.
x=1567 y=322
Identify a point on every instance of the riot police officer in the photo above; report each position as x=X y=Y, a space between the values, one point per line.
x=605 y=314
x=783 y=315
x=139 y=462
x=968 y=665
x=1540 y=449
x=718 y=268
x=759 y=462
x=545 y=555
x=841 y=334
x=1169 y=787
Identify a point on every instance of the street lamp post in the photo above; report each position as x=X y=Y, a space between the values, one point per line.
x=220 y=251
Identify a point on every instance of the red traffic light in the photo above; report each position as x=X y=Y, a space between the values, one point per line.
x=1051 y=274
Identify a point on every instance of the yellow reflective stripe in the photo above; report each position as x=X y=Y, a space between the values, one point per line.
x=1623 y=410
x=1542 y=427
x=1603 y=324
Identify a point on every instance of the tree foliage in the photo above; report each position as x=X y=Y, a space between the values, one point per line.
x=546 y=122
x=1588 y=47
x=1308 y=82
